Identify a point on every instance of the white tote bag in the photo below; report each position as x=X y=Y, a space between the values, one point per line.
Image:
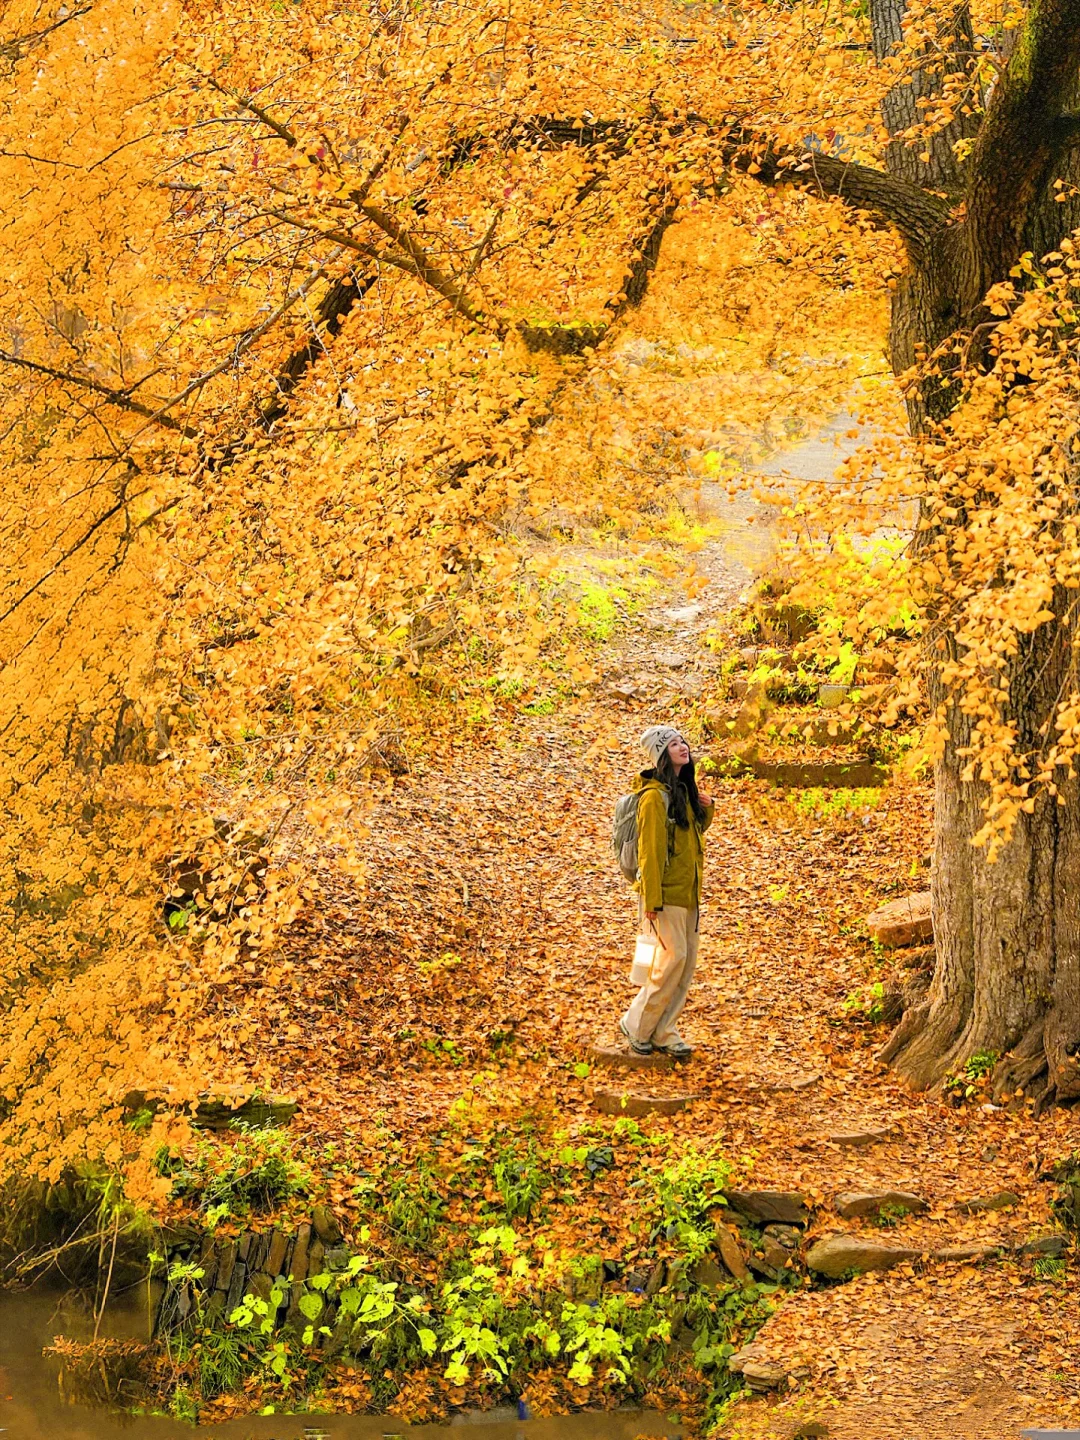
x=646 y=949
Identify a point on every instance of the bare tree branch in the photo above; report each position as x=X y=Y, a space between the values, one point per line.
x=114 y=397
x=13 y=50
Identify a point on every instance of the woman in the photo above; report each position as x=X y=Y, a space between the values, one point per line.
x=671 y=819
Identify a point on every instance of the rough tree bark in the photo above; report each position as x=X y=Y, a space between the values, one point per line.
x=1007 y=978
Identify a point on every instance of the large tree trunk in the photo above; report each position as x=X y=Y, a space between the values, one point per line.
x=1007 y=979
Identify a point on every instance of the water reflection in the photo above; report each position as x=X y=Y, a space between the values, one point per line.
x=32 y=1407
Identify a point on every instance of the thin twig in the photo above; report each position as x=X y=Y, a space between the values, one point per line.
x=108 y=1277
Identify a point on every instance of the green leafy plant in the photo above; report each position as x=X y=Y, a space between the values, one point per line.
x=962 y=1084
x=829 y=804
x=865 y=1006
x=253 y=1170
x=689 y=1193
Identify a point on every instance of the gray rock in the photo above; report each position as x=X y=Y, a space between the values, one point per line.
x=1002 y=1200
x=610 y=1102
x=786 y=1235
x=755 y=1351
x=226 y=1261
x=767 y=1272
x=773 y=1253
x=299 y=1267
x=275 y=1257
x=656 y=1279
x=785 y=1207
x=839 y=1255
x=765 y=1375
x=671 y=660
x=621 y=1057
x=854 y=1203
x=623 y=692
x=1045 y=1245
x=967 y=1252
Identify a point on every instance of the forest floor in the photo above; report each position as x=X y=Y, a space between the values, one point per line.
x=496 y=932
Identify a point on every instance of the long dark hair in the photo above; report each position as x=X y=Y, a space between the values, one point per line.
x=682 y=787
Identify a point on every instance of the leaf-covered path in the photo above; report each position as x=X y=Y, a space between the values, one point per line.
x=495 y=936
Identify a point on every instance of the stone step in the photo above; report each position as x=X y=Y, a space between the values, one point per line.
x=621 y=1057
x=622 y=1102
x=838 y=1255
x=853 y=1204
x=906 y=921
x=770 y=1207
x=852 y=1139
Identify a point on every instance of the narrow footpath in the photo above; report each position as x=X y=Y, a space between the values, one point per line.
x=497 y=923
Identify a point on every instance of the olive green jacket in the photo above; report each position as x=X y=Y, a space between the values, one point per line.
x=670 y=860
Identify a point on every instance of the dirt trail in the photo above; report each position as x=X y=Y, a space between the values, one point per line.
x=496 y=916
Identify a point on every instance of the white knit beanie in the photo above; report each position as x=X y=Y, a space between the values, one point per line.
x=656 y=740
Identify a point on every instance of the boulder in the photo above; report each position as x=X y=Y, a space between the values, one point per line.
x=765 y=1375
x=325 y=1225
x=786 y=1235
x=774 y=1254
x=838 y=1255
x=656 y=1279
x=855 y=1203
x=764 y=1207
x=754 y=1364
x=906 y=921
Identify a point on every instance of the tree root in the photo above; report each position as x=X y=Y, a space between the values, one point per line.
x=923 y=1048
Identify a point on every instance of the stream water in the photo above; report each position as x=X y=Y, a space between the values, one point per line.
x=32 y=1406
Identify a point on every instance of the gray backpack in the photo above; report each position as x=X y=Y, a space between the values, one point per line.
x=624 y=834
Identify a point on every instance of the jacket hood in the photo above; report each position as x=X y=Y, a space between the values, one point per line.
x=646 y=780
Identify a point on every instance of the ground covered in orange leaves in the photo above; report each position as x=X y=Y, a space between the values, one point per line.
x=489 y=956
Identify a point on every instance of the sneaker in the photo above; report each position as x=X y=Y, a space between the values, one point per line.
x=676 y=1047
x=639 y=1047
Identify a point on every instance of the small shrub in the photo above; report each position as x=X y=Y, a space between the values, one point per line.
x=254 y=1170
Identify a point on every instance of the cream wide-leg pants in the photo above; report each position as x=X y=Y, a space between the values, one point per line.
x=659 y=1003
